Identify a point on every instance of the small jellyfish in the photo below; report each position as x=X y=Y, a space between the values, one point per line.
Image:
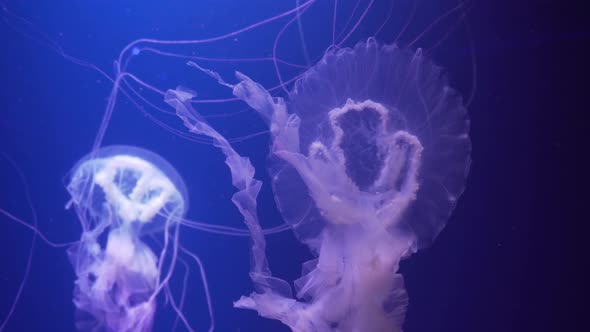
x=369 y=155
x=122 y=194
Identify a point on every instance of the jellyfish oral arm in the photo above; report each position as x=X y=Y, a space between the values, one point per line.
x=352 y=288
x=242 y=173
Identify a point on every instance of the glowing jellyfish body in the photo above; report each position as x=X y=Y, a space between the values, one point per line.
x=120 y=194
x=370 y=154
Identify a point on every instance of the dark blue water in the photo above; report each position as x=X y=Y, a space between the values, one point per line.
x=493 y=268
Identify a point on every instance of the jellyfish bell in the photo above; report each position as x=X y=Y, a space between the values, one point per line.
x=386 y=120
x=370 y=153
x=121 y=194
x=142 y=189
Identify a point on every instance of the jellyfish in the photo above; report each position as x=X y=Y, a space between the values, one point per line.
x=122 y=195
x=369 y=155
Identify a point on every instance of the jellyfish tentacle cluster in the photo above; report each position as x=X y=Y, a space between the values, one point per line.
x=370 y=154
x=121 y=194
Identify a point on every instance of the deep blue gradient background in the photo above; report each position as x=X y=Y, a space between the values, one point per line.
x=499 y=265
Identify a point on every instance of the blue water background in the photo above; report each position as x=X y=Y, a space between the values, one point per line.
x=485 y=272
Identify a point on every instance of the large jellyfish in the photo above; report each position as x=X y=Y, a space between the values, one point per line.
x=122 y=194
x=369 y=155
